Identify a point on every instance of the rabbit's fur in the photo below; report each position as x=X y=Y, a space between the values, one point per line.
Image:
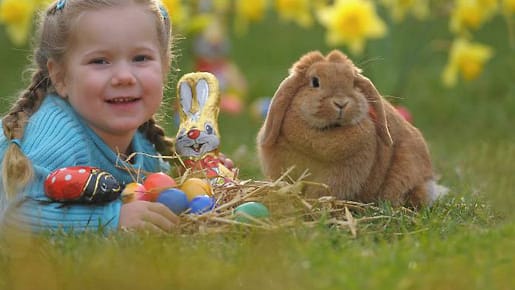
x=329 y=119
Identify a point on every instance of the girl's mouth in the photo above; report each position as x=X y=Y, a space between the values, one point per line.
x=122 y=100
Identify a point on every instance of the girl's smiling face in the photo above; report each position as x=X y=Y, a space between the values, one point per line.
x=113 y=72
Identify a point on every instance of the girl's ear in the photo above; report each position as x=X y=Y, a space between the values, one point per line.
x=56 y=72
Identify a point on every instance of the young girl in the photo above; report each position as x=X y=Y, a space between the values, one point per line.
x=99 y=71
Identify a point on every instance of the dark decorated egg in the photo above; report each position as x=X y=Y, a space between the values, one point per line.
x=82 y=184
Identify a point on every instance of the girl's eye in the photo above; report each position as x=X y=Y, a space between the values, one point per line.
x=98 y=61
x=315 y=82
x=139 y=58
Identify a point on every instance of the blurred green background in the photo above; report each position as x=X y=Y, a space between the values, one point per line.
x=466 y=242
x=469 y=127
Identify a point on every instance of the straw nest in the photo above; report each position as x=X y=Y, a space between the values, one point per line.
x=286 y=201
x=288 y=205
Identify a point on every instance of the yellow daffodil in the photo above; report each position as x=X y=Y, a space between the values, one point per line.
x=178 y=13
x=351 y=22
x=465 y=58
x=248 y=11
x=508 y=6
x=471 y=14
x=297 y=11
x=17 y=16
x=400 y=8
x=43 y=3
x=221 y=6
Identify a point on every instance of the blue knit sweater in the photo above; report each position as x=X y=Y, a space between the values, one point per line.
x=55 y=137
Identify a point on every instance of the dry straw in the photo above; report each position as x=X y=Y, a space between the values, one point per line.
x=287 y=203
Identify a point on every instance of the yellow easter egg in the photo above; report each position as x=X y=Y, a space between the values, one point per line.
x=195 y=186
x=134 y=191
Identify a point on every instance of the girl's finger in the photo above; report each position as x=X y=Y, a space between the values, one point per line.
x=164 y=211
x=147 y=226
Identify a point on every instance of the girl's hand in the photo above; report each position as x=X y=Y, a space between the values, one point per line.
x=145 y=215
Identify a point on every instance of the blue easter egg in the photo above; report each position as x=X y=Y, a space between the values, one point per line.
x=201 y=204
x=175 y=199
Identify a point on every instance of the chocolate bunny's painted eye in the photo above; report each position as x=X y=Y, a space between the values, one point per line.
x=209 y=129
x=315 y=82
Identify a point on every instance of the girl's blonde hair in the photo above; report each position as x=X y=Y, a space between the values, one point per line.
x=54 y=32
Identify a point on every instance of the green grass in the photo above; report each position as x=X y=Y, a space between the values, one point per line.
x=466 y=241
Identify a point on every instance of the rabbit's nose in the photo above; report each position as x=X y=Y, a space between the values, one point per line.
x=340 y=104
x=193 y=133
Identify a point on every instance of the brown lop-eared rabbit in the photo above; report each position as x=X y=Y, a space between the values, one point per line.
x=328 y=118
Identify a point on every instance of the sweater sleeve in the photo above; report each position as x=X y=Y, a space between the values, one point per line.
x=55 y=138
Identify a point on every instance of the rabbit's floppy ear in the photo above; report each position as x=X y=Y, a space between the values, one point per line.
x=376 y=101
x=277 y=109
x=284 y=95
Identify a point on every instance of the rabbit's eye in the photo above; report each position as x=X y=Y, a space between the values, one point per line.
x=209 y=129
x=315 y=82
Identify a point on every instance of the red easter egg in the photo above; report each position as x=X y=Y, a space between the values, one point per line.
x=157 y=182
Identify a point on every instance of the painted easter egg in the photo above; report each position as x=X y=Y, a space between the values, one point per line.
x=175 y=199
x=157 y=182
x=135 y=191
x=195 y=186
x=253 y=209
x=231 y=103
x=201 y=204
x=82 y=184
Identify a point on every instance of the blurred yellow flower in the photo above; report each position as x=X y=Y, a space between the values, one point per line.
x=43 y=3
x=17 y=17
x=400 y=8
x=298 y=11
x=249 y=11
x=221 y=6
x=178 y=13
x=465 y=58
x=471 y=14
x=351 y=22
x=508 y=6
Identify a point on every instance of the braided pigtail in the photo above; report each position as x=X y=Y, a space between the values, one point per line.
x=16 y=167
x=156 y=135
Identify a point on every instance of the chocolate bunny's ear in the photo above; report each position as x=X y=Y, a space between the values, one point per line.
x=202 y=88
x=199 y=99
x=185 y=98
x=376 y=101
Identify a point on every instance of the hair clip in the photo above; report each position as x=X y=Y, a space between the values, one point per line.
x=16 y=141
x=163 y=11
x=60 y=4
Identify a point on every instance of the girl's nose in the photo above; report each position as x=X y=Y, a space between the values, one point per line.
x=123 y=76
